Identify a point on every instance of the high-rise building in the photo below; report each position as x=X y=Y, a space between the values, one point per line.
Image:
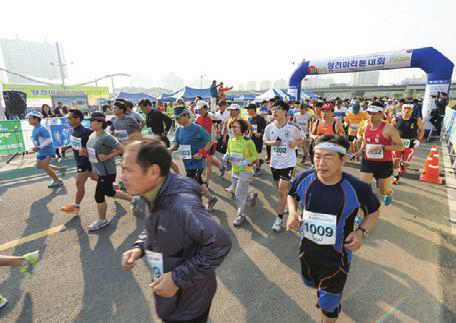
x=280 y=84
x=365 y=78
x=172 y=81
x=251 y=86
x=265 y=85
x=316 y=82
x=30 y=59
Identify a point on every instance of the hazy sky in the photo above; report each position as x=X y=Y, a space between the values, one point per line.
x=234 y=41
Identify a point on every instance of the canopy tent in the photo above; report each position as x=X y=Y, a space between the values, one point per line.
x=247 y=97
x=188 y=93
x=164 y=97
x=272 y=93
x=308 y=95
x=134 y=97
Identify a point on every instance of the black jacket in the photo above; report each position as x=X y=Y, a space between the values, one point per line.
x=158 y=122
x=192 y=245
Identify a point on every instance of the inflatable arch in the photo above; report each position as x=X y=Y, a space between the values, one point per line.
x=438 y=68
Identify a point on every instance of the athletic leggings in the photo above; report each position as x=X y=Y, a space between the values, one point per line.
x=240 y=184
x=105 y=187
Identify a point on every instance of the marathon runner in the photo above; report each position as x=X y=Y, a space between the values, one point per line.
x=258 y=124
x=193 y=142
x=123 y=126
x=223 y=115
x=241 y=152
x=283 y=139
x=353 y=121
x=303 y=118
x=205 y=121
x=328 y=124
x=101 y=150
x=135 y=115
x=78 y=141
x=330 y=199
x=44 y=148
x=411 y=129
x=158 y=123
x=380 y=140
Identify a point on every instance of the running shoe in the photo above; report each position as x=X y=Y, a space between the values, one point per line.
x=229 y=189
x=388 y=199
x=396 y=180
x=62 y=171
x=30 y=261
x=211 y=203
x=3 y=301
x=55 y=183
x=222 y=170
x=70 y=208
x=352 y=157
x=256 y=172
x=251 y=199
x=239 y=220
x=277 y=226
x=98 y=224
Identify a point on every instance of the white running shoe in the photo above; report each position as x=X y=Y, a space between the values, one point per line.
x=98 y=224
x=277 y=226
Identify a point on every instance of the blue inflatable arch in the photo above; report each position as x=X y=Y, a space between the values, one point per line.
x=438 y=68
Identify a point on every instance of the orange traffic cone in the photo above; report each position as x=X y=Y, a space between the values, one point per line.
x=431 y=172
x=432 y=152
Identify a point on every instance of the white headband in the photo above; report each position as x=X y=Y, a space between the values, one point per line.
x=331 y=146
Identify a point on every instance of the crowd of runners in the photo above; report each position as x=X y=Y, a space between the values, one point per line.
x=333 y=210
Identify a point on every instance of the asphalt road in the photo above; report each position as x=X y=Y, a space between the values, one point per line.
x=404 y=272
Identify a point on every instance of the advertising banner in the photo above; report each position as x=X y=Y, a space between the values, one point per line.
x=79 y=102
x=11 y=138
x=45 y=92
x=376 y=61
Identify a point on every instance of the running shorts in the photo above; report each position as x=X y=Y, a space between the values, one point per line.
x=380 y=169
x=285 y=173
x=195 y=174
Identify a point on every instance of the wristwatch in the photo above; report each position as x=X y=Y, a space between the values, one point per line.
x=365 y=233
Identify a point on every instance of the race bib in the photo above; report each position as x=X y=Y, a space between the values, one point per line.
x=154 y=261
x=255 y=128
x=319 y=228
x=92 y=155
x=354 y=127
x=374 y=155
x=406 y=143
x=236 y=159
x=185 y=151
x=75 y=143
x=121 y=134
x=279 y=151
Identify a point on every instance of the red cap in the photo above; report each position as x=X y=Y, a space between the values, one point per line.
x=328 y=107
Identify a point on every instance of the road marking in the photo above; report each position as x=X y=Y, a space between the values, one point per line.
x=32 y=237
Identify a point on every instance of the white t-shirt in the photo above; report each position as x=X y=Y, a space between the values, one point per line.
x=340 y=114
x=224 y=116
x=282 y=156
x=303 y=120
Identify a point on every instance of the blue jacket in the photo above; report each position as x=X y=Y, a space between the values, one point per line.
x=193 y=246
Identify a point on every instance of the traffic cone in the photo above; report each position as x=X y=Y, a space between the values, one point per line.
x=431 y=173
x=432 y=152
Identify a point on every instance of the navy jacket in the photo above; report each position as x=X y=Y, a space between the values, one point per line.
x=193 y=246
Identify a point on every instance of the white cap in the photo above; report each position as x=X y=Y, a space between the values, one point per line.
x=34 y=114
x=374 y=109
x=200 y=104
x=234 y=106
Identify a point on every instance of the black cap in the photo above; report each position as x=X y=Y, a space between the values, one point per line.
x=97 y=116
x=252 y=106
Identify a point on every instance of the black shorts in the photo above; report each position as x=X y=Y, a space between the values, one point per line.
x=221 y=147
x=258 y=145
x=329 y=282
x=380 y=169
x=82 y=168
x=285 y=173
x=195 y=174
x=105 y=187
x=351 y=138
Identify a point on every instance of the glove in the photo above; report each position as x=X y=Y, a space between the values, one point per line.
x=416 y=143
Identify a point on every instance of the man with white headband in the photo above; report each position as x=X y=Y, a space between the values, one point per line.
x=330 y=199
x=380 y=140
x=410 y=130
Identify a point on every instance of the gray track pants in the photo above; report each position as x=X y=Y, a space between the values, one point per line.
x=240 y=183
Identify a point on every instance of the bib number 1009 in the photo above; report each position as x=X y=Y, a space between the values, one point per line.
x=319 y=228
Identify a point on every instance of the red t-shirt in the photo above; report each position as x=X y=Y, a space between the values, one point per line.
x=205 y=122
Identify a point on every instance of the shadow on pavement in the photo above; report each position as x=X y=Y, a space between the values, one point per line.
x=39 y=219
x=110 y=294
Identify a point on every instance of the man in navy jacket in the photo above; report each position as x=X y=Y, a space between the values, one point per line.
x=182 y=246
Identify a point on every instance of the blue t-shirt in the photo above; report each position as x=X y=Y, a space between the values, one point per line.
x=39 y=135
x=195 y=136
x=341 y=200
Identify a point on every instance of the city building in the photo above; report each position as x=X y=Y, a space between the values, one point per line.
x=172 y=81
x=265 y=85
x=316 y=81
x=251 y=86
x=31 y=59
x=414 y=80
x=365 y=78
x=280 y=84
